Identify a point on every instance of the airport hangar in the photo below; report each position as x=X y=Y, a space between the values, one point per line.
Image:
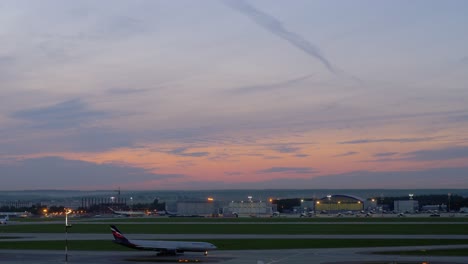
x=342 y=203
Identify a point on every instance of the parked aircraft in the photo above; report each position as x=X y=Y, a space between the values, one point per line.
x=4 y=221
x=164 y=248
x=17 y=214
x=128 y=213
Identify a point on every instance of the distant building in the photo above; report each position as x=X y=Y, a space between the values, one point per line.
x=248 y=208
x=403 y=206
x=370 y=205
x=204 y=208
x=434 y=207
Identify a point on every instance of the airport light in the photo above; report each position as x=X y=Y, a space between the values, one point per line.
x=210 y=199
x=270 y=200
x=67 y=212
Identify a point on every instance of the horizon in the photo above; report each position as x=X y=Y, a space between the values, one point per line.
x=233 y=94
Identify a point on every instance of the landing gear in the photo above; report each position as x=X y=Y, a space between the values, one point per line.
x=206 y=253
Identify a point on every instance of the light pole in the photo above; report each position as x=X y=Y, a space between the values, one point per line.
x=449 y=194
x=329 y=203
x=67 y=211
x=251 y=205
x=131 y=203
x=303 y=209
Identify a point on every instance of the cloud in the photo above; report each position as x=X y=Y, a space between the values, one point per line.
x=464 y=60
x=397 y=140
x=460 y=118
x=301 y=155
x=6 y=67
x=456 y=152
x=440 y=178
x=56 y=172
x=232 y=173
x=268 y=87
x=126 y=91
x=285 y=149
x=385 y=154
x=430 y=178
x=92 y=139
x=274 y=26
x=182 y=152
x=349 y=153
x=295 y=170
x=67 y=114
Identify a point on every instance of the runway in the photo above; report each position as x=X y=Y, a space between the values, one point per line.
x=295 y=256
x=81 y=236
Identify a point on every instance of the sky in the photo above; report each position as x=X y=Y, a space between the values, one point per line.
x=233 y=94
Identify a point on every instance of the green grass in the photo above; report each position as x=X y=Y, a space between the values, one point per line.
x=392 y=229
x=238 y=244
x=433 y=252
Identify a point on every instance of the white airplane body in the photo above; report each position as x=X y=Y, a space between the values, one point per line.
x=128 y=213
x=4 y=221
x=163 y=247
x=16 y=214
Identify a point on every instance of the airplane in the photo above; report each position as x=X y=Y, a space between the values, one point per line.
x=168 y=213
x=128 y=213
x=165 y=248
x=17 y=214
x=4 y=221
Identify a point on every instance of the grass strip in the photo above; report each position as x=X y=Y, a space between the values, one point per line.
x=382 y=229
x=456 y=252
x=238 y=244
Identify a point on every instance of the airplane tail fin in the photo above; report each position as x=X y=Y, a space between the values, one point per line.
x=118 y=236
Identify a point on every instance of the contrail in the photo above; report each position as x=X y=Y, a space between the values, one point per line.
x=273 y=25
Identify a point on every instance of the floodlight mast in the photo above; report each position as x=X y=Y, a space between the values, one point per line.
x=67 y=212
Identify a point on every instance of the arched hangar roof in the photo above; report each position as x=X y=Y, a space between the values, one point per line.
x=335 y=196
